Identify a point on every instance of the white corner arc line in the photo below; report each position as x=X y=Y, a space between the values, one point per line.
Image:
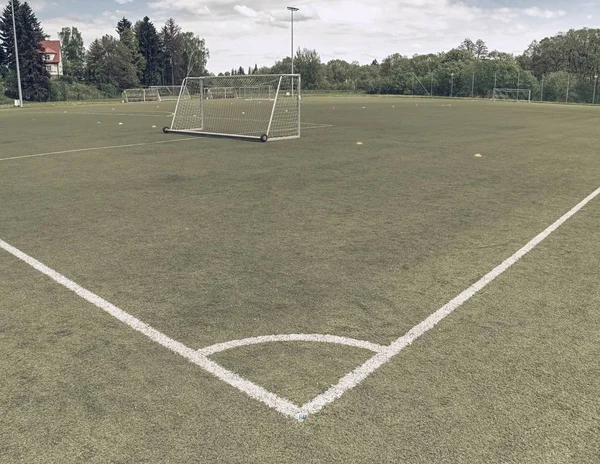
x=347 y=382
x=110 y=147
x=355 y=377
x=207 y=351
x=251 y=389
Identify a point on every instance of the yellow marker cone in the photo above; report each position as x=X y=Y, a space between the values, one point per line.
x=478 y=155
x=359 y=143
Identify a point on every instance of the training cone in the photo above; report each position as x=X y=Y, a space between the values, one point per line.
x=359 y=143
x=478 y=155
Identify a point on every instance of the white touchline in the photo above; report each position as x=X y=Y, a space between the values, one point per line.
x=349 y=381
x=111 y=147
x=362 y=372
x=251 y=389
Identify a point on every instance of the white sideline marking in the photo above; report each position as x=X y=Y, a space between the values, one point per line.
x=159 y=114
x=355 y=377
x=251 y=389
x=292 y=338
x=315 y=126
x=78 y=150
x=349 y=381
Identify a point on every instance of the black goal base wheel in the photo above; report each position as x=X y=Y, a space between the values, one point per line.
x=166 y=130
x=264 y=138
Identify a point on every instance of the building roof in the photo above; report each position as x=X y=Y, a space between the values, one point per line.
x=52 y=47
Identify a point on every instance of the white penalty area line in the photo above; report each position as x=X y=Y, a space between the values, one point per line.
x=354 y=378
x=110 y=147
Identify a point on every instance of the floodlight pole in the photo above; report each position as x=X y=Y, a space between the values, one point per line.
x=595 y=85
x=12 y=3
x=292 y=9
x=542 y=90
x=431 y=75
x=452 y=85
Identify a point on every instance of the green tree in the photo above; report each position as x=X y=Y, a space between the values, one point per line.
x=34 y=76
x=170 y=36
x=122 y=25
x=109 y=62
x=481 y=49
x=150 y=48
x=129 y=39
x=194 y=55
x=3 y=62
x=467 y=45
x=241 y=71
x=73 y=52
x=307 y=63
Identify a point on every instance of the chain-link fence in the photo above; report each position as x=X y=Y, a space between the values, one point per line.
x=558 y=87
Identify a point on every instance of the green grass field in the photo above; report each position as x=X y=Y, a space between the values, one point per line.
x=215 y=240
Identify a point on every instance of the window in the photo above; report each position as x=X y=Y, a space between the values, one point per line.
x=49 y=67
x=47 y=57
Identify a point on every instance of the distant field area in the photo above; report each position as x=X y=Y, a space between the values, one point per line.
x=142 y=274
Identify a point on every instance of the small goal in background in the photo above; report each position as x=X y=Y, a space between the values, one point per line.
x=141 y=95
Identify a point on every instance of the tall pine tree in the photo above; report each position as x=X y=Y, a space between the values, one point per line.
x=150 y=47
x=129 y=39
x=73 y=52
x=35 y=79
x=123 y=24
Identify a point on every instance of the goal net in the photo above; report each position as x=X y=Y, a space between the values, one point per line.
x=512 y=94
x=253 y=107
x=167 y=92
x=141 y=95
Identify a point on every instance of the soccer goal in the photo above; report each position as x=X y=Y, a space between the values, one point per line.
x=141 y=95
x=512 y=94
x=167 y=92
x=259 y=107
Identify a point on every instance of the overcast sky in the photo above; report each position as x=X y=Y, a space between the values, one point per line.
x=245 y=32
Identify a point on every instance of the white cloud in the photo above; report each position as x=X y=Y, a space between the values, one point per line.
x=244 y=32
x=38 y=5
x=536 y=12
x=123 y=2
x=245 y=11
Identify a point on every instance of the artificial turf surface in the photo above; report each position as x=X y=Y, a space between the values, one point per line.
x=211 y=240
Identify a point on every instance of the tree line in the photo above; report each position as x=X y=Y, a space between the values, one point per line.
x=563 y=67
x=138 y=56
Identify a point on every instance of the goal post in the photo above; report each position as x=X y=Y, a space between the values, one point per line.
x=256 y=107
x=141 y=95
x=512 y=94
x=167 y=92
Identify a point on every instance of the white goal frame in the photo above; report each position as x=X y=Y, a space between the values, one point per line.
x=512 y=94
x=254 y=107
x=141 y=95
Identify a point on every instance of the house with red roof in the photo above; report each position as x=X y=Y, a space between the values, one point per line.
x=52 y=57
